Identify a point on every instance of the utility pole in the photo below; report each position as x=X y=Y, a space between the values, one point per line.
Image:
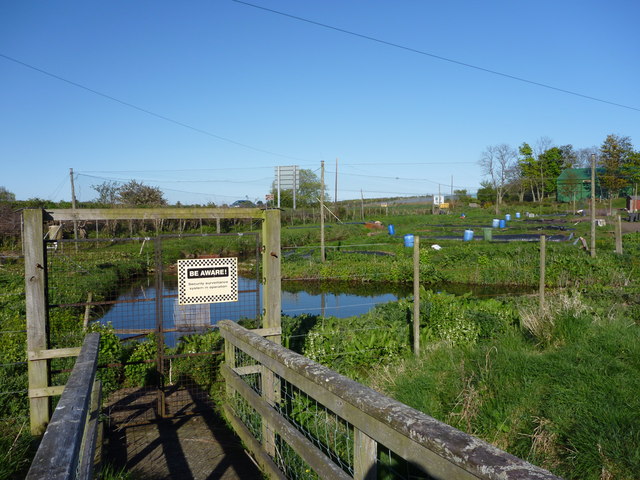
x=322 y=255
x=593 y=205
x=278 y=181
x=73 y=206
x=361 y=204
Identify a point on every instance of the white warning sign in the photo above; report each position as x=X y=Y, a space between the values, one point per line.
x=207 y=280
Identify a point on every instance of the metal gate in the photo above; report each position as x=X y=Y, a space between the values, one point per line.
x=159 y=359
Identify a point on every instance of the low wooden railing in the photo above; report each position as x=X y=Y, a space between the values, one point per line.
x=301 y=419
x=68 y=447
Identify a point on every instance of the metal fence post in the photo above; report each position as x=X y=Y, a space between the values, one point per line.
x=37 y=331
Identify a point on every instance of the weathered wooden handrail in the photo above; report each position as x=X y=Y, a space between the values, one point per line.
x=68 y=445
x=436 y=448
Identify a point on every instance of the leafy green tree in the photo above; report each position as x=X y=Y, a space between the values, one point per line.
x=616 y=153
x=6 y=195
x=307 y=194
x=137 y=194
x=631 y=171
x=486 y=192
x=552 y=162
x=530 y=171
x=130 y=194
x=539 y=169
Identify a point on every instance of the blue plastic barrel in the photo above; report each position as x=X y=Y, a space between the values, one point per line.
x=468 y=235
x=517 y=214
x=507 y=217
x=392 y=229
x=408 y=240
x=495 y=223
x=503 y=224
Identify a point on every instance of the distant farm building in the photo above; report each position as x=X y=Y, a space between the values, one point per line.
x=574 y=184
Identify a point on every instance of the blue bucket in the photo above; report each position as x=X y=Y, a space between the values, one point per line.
x=495 y=223
x=408 y=240
x=468 y=235
x=507 y=217
x=392 y=229
x=503 y=224
x=517 y=214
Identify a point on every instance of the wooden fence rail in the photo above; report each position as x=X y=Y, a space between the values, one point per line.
x=68 y=447
x=373 y=426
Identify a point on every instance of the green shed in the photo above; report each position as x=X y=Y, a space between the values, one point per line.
x=575 y=184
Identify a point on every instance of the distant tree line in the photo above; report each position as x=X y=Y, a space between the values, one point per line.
x=530 y=173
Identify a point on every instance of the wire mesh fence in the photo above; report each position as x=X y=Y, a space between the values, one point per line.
x=314 y=423
x=159 y=357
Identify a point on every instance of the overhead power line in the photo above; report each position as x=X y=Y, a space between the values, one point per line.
x=437 y=57
x=144 y=110
x=154 y=180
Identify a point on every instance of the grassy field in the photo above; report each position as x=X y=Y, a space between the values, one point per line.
x=557 y=387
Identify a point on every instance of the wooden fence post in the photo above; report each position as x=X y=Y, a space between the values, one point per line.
x=619 y=235
x=416 y=295
x=543 y=255
x=271 y=270
x=365 y=450
x=272 y=296
x=37 y=332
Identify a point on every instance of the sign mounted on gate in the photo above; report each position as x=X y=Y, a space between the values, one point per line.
x=207 y=280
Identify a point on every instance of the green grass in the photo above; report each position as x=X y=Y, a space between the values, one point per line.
x=565 y=400
x=557 y=393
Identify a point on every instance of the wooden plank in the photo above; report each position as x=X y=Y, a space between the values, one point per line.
x=46 y=391
x=265 y=462
x=248 y=370
x=439 y=449
x=54 y=353
x=58 y=455
x=151 y=213
x=268 y=332
x=36 y=308
x=365 y=452
x=91 y=445
x=317 y=460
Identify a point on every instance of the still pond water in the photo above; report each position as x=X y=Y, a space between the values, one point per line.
x=136 y=307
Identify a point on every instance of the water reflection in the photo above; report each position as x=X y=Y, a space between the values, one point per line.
x=135 y=311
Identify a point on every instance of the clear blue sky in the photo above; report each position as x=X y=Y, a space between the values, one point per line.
x=290 y=92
